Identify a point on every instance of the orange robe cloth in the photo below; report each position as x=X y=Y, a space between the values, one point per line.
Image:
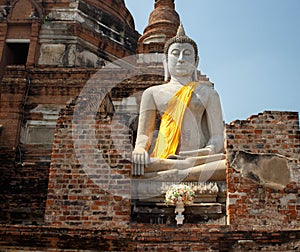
x=171 y=121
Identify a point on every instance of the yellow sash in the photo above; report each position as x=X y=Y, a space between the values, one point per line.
x=171 y=121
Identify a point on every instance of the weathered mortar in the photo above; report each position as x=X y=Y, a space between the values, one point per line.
x=263 y=194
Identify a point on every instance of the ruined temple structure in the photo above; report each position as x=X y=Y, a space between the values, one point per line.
x=72 y=74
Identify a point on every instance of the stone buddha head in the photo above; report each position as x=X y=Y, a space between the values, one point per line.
x=183 y=49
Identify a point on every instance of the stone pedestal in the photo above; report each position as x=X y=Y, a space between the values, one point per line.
x=148 y=203
x=179 y=209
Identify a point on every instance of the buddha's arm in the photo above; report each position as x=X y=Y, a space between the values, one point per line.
x=215 y=123
x=146 y=127
x=147 y=119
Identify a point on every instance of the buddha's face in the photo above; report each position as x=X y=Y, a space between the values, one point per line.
x=181 y=60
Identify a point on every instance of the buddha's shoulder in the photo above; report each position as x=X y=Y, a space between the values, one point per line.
x=206 y=84
x=157 y=88
x=206 y=89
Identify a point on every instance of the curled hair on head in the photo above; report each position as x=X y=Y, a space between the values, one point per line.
x=181 y=38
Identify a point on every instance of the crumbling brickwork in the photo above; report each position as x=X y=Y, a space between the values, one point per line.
x=89 y=180
x=147 y=238
x=65 y=33
x=81 y=193
x=24 y=165
x=251 y=204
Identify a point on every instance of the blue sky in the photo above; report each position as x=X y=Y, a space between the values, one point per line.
x=250 y=49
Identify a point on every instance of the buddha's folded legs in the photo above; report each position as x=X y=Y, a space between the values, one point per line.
x=160 y=164
x=212 y=171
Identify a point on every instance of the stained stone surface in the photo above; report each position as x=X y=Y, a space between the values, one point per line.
x=267 y=169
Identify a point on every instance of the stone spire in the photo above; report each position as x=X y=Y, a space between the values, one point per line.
x=180 y=31
x=167 y=3
x=162 y=25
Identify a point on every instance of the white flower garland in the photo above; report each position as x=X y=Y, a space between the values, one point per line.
x=180 y=192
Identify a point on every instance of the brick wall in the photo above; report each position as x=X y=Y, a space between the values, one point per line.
x=83 y=190
x=89 y=180
x=147 y=238
x=23 y=89
x=250 y=204
x=12 y=94
x=25 y=167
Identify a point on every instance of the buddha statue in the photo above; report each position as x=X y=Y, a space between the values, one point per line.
x=189 y=144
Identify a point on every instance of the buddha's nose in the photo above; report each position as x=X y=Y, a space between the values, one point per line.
x=181 y=58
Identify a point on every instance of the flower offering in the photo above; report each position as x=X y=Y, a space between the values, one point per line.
x=180 y=192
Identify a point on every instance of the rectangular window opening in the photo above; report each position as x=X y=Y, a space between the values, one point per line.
x=17 y=53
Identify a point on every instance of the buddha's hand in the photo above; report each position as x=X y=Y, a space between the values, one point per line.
x=140 y=158
x=198 y=152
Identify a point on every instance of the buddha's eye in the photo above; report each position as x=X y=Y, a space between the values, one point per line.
x=175 y=52
x=187 y=52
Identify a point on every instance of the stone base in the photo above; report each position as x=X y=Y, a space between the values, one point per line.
x=159 y=213
x=149 y=196
x=154 y=191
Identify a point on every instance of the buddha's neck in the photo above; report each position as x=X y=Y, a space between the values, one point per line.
x=180 y=80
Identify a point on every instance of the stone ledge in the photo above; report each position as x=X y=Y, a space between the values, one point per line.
x=160 y=213
x=133 y=237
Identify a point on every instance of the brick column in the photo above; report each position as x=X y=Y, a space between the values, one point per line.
x=33 y=51
x=3 y=30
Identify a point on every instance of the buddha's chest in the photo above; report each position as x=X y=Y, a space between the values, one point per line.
x=196 y=103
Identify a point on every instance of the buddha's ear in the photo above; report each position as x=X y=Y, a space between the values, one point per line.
x=165 y=63
x=197 y=62
x=195 y=70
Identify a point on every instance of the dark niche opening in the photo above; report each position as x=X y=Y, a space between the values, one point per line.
x=17 y=53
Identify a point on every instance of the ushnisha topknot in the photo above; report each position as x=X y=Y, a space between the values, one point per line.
x=181 y=38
